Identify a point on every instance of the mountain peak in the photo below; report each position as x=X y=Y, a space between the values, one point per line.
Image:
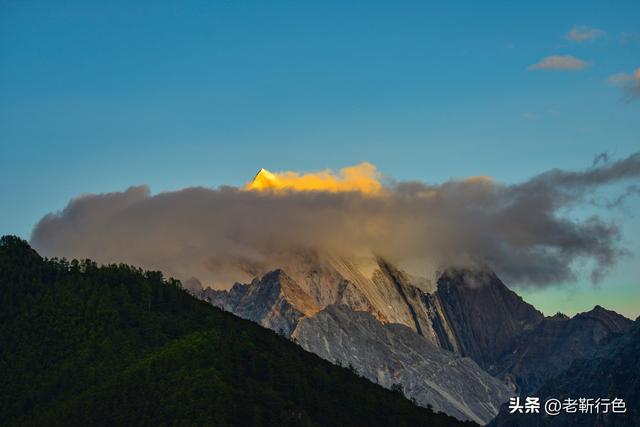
x=277 y=274
x=559 y=316
x=290 y=290
x=485 y=311
x=262 y=180
x=598 y=310
x=612 y=320
x=264 y=173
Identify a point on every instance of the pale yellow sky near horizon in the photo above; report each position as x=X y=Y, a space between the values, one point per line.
x=573 y=299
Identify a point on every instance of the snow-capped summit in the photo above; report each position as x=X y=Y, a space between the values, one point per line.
x=262 y=180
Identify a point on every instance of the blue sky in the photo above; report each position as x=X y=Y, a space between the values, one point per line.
x=98 y=96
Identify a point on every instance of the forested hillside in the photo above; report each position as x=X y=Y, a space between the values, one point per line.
x=82 y=344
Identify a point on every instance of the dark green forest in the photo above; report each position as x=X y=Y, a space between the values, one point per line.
x=83 y=344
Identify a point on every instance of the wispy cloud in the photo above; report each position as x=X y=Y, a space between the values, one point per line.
x=630 y=82
x=582 y=33
x=628 y=38
x=559 y=63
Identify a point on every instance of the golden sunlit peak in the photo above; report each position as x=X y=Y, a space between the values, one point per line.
x=263 y=180
x=363 y=178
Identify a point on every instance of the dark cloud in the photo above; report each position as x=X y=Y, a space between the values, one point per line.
x=215 y=236
x=602 y=157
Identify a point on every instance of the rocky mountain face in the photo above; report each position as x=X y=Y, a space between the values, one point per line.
x=389 y=330
x=483 y=314
x=275 y=301
x=393 y=355
x=611 y=372
x=436 y=339
x=541 y=353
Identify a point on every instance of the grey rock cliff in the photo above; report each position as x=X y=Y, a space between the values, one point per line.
x=354 y=327
x=408 y=328
x=390 y=354
x=275 y=301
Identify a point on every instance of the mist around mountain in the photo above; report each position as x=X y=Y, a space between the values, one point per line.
x=82 y=344
x=462 y=343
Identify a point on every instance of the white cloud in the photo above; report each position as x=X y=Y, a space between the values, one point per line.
x=630 y=82
x=559 y=63
x=582 y=33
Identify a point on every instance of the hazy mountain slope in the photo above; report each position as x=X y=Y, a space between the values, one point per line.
x=388 y=352
x=275 y=301
x=483 y=314
x=541 y=353
x=113 y=345
x=470 y=312
x=394 y=354
x=612 y=372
